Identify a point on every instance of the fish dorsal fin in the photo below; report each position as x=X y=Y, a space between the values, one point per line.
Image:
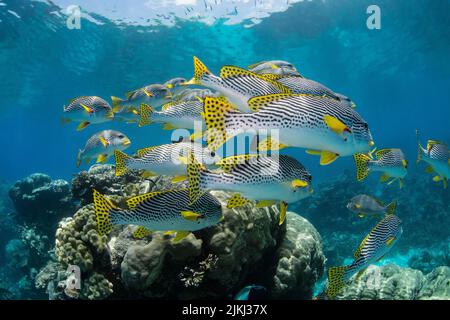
x=272 y=77
x=378 y=201
x=382 y=152
x=432 y=143
x=229 y=163
x=134 y=201
x=232 y=71
x=256 y=103
x=143 y=151
x=167 y=105
x=357 y=253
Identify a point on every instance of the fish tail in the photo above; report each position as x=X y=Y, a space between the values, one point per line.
x=336 y=280
x=362 y=166
x=80 y=152
x=102 y=207
x=195 y=171
x=215 y=112
x=116 y=103
x=145 y=113
x=391 y=207
x=121 y=159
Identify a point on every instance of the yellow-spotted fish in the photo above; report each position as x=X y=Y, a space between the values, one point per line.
x=391 y=162
x=102 y=145
x=364 y=205
x=373 y=248
x=166 y=159
x=154 y=95
x=87 y=110
x=253 y=177
x=437 y=155
x=236 y=84
x=276 y=67
x=321 y=125
x=167 y=210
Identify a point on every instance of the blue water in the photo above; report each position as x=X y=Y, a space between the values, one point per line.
x=399 y=76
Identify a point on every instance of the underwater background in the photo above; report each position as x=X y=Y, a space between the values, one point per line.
x=399 y=77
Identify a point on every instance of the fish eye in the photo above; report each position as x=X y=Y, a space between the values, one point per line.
x=213 y=154
x=121 y=136
x=366 y=126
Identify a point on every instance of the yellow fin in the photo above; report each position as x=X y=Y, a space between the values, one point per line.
x=168 y=126
x=167 y=105
x=361 y=215
x=359 y=274
x=358 y=206
x=86 y=108
x=232 y=71
x=121 y=159
x=299 y=183
x=178 y=179
x=385 y=177
x=145 y=113
x=143 y=151
x=236 y=200
x=361 y=245
x=141 y=232
x=336 y=280
x=401 y=183
x=180 y=236
x=102 y=207
x=272 y=77
x=390 y=241
x=194 y=170
x=382 y=152
x=134 y=201
x=270 y=144
x=265 y=203
x=390 y=209
x=314 y=152
x=362 y=168
x=215 y=111
x=168 y=233
x=327 y=157
x=283 y=210
x=437 y=178
x=102 y=158
x=258 y=102
x=148 y=174
x=191 y=215
x=336 y=125
x=227 y=164
x=129 y=94
x=115 y=101
x=83 y=125
x=104 y=142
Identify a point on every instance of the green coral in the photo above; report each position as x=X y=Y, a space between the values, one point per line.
x=96 y=287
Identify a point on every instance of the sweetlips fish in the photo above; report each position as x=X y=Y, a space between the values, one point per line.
x=364 y=205
x=323 y=126
x=236 y=84
x=87 y=110
x=373 y=248
x=437 y=155
x=154 y=94
x=194 y=95
x=267 y=179
x=102 y=145
x=167 y=210
x=391 y=162
x=127 y=114
x=277 y=67
x=175 y=85
x=166 y=159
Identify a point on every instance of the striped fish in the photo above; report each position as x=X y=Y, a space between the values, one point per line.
x=175 y=85
x=364 y=205
x=102 y=145
x=437 y=155
x=319 y=124
x=236 y=84
x=391 y=162
x=194 y=95
x=166 y=159
x=373 y=248
x=276 y=67
x=154 y=95
x=182 y=115
x=87 y=110
x=167 y=210
x=253 y=177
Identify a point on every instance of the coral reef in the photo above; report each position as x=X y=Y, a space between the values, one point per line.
x=392 y=282
x=211 y=263
x=40 y=201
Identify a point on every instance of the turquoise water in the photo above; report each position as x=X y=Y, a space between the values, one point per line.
x=399 y=76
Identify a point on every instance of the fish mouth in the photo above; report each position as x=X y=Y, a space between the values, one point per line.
x=127 y=142
x=371 y=143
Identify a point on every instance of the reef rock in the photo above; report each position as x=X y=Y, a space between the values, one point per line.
x=42 y=202
x=300 y=260
x=437 y=285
